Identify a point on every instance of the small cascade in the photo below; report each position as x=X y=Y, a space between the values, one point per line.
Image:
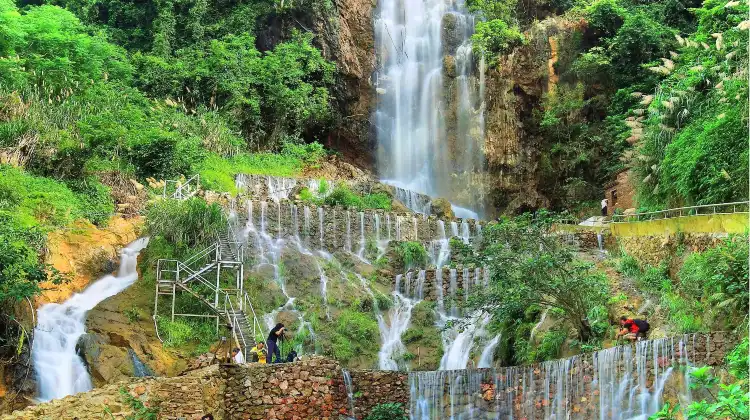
x=485 y=360
x=362 y=239
x=453 y=290
x=321 y=216
x=446 y=395
x=467 y=284
x=440 y=297
x=349 y=391
x=279 y=188
x=348 y=231
x=454 y=230
x=398 y=228
x=324 y=281
x=414 y=201
x=619 y=383
x=416 y=230
x=59 y=368
x=392 y=348
x=465 y=232
x=388 y=225
x=600 y=242
x=440 y=248
x=459 y=340
x=140 y=370
x=307 y=230
x=381 y=243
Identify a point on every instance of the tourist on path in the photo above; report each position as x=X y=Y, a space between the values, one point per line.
x=633 y=329
x=237 y=356
x=259 y=352
x=272 y=343
x=604 y=207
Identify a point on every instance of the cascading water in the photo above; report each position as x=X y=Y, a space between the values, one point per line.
x=485 y=360
x=349 y=391
x=414 y=39
x=59 y=369
x=614 y=384
x=399 y=316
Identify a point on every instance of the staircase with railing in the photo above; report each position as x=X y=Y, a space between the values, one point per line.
x=226 y=302
x=181 y=190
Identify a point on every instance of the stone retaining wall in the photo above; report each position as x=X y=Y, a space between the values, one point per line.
x=314 y=388
x=183 y=397
x=339 y=228
x=264 y=187
x=444 y=283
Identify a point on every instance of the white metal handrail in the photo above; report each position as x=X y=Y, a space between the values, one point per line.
x=183 y=190
x=257 y=326
x=706 y=209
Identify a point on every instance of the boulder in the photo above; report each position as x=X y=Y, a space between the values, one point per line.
x=442 y=208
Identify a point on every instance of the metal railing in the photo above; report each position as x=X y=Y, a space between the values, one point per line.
x=182 y=190
x=707 y=209
x=257 y=326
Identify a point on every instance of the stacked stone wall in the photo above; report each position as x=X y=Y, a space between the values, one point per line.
x=187 y=397
x=314 y=388
x=340 y=228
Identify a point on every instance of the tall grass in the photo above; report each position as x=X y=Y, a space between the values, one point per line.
x=191 y=222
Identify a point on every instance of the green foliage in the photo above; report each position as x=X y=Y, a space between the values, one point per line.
x=357 y=327
x=737 y=360
x=495 y=37
x=21 y=268
x=132 y=314
x=48 y=46
x=731 y=401
x=387 y=411
x=605 y=17
x=342 y=195
x=718 y=278
x=140 y=410
x=271 y=95
x=629 y=266
x=411 y=254
x=218 y=173
x=493 y=9
x=178 y=334
x=423 y=314
x=47 y=202
x=529 y=268
x=192 y=222
x=549 y=348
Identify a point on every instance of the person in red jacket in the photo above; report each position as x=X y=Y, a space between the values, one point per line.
x=633 y=329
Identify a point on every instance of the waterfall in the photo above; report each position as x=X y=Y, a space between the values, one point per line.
x=414 y=201
x=306 y=212
x=416 y=116
x=279 y=188
x=59 y=369
x=362 y=239
x=440 y=248
x=321 y=216
x=453 y=289
x=620 y=383
x=485 y=360
x=399 y=316
x=348 y=231
x=140 y=370
x=349 y=391
x=458 y=340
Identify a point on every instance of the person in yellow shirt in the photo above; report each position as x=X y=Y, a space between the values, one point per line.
x=259 y=351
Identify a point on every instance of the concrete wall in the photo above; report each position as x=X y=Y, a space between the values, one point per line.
x=710 y=223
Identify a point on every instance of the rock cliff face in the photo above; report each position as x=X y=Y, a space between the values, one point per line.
x=345 y=34
x=514 y=92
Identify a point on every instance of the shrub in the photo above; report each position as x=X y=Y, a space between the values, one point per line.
x=192 y=222
x=495 y=37
x=358 y=327
x=605 y=17
x=411 y=254
x=387 y=411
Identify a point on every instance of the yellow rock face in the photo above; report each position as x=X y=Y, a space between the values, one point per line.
x=78 y=251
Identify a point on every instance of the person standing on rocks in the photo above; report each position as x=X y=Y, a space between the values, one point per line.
x=237 y=356
x=604 y=207
x=272 y=342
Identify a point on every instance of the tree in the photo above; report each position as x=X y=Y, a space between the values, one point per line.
x=530 y=267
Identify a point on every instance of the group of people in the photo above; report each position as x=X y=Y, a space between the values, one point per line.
x=260 y=353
